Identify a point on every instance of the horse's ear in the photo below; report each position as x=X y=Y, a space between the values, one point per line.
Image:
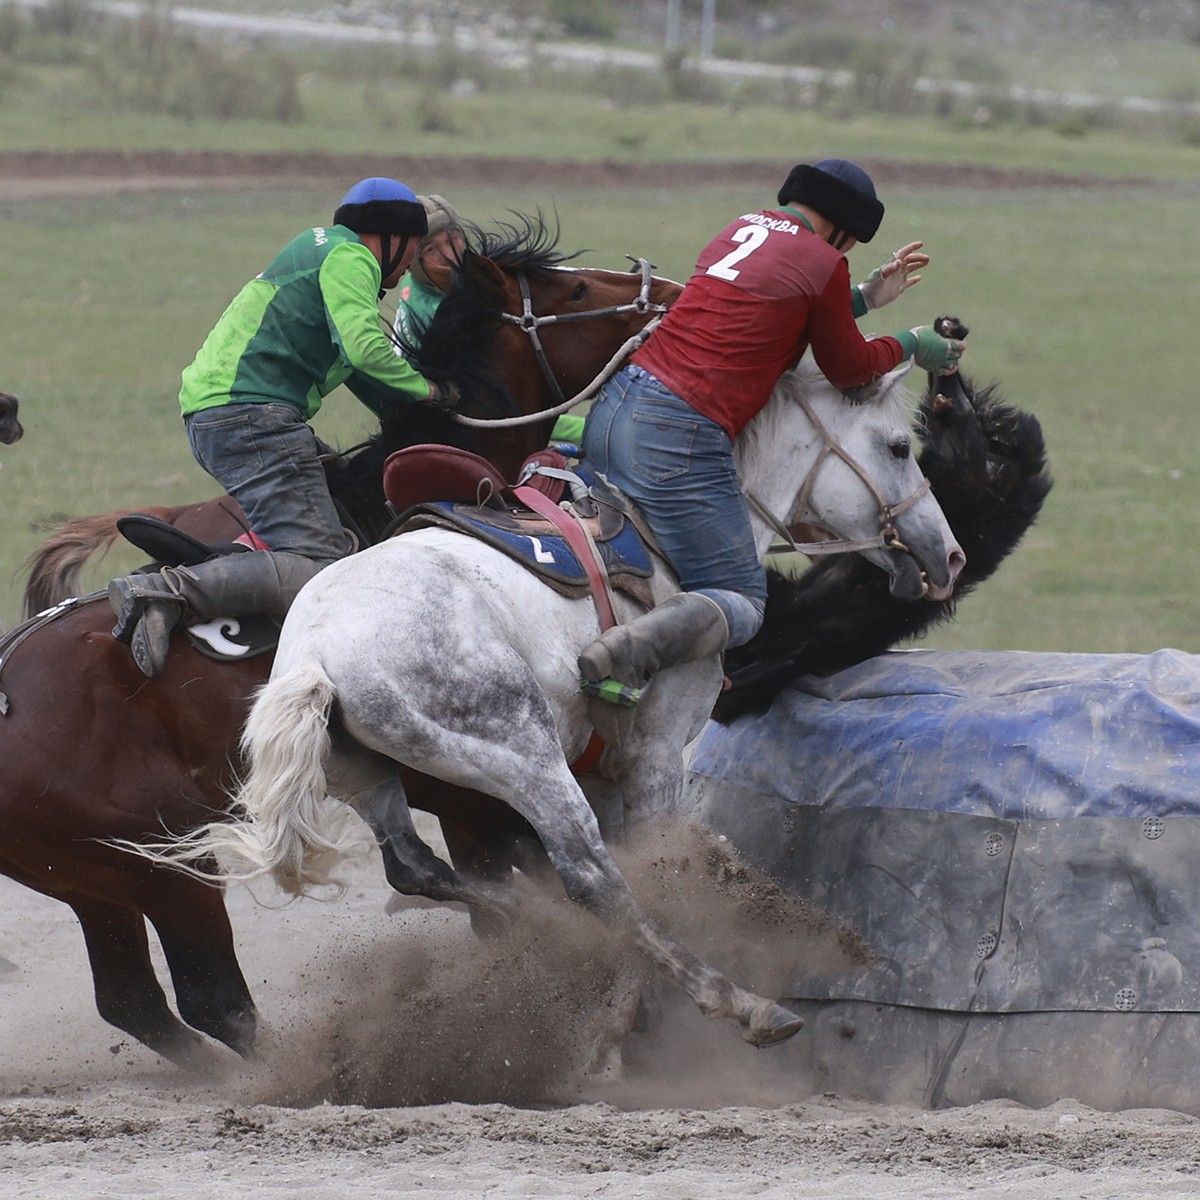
x=879 y=389
x=483 y=272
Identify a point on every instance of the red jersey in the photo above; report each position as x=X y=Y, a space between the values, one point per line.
x=764 y=289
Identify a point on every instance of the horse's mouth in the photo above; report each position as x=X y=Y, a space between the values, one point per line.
x=934 y=591
x=908 y=582
x=911 y=585
x=956 y=560
x=912 y=582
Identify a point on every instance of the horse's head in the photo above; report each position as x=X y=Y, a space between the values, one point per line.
x=568 y=327
x=859 y=479
x=986 y=463
x=519 y=331
x=10 y=427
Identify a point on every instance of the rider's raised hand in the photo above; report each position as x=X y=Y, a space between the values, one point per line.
x=887 y=282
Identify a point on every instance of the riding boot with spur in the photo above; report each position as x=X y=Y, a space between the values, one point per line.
x=683 y=628
x=150 y=606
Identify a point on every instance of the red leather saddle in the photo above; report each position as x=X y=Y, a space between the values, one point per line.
x=428 y=472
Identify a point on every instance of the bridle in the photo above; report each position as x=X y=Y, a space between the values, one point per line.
x=888 y=538
x=530 y=323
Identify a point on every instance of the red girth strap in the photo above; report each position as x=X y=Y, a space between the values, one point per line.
x=578 y=541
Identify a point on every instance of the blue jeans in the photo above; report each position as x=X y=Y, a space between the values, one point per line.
x=677 y=467
x=268 y=459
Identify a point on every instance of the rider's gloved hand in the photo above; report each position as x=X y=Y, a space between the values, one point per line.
x=887 y=282
x=444 y=395
x=936 y=354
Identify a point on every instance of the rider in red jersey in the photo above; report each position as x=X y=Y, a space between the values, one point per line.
x=770 y=285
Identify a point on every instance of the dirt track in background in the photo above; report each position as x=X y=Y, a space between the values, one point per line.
x=37 y=174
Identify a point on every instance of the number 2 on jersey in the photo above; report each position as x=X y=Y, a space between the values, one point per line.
x=751 y=237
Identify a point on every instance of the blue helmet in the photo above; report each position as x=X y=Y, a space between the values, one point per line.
x=382 y=206
x=841 y=191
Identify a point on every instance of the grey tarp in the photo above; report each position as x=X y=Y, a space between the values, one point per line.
x=1017 y=837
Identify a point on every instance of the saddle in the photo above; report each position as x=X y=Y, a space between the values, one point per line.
x=429 y=472
x=442 y=485
x=168 y=546
x=591 y=550
x=523 y=519
x=227 y=639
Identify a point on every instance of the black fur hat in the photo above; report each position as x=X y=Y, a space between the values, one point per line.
x=382 y=206
x=840 y=191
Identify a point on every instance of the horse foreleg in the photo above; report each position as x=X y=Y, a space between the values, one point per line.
x=193 y=928
x=571 y=835
x=649 y=771
x=128 y=994
x=411 y=866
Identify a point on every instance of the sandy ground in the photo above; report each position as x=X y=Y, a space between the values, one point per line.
x=401 y=1057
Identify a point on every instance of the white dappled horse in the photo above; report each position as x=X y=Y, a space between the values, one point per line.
x=436 y=651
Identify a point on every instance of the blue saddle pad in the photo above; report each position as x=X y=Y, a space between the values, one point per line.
x=533 y=542
x=544 y=553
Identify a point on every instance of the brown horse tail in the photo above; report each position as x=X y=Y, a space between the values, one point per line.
x=56 y=566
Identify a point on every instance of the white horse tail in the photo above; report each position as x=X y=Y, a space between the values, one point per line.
x=287 y=826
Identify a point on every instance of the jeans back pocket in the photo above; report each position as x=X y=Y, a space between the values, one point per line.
x=663 y=443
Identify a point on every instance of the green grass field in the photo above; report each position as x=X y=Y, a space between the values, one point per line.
x=1081 y=302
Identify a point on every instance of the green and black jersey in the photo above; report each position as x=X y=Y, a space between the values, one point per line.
x=308 y=323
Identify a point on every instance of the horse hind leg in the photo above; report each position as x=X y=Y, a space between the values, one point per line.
x=485 y=841
x=128 y=994
x=556 y=807
x=193 y=929
x=413 y=869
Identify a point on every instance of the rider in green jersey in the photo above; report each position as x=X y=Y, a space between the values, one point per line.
x=305 y=325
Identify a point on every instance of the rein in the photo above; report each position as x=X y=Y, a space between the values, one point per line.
x=15 y=636
x=528 y=321
x=886 y=539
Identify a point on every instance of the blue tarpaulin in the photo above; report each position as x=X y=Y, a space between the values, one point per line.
x=1018 y=734
x=1016 y=836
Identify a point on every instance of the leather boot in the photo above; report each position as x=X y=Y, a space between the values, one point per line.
x=683 y=628
x=150 y=606
x=147 y=611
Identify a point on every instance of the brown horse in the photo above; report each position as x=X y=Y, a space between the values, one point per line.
x=10 y=427
x=94 y=752
x=518 y=332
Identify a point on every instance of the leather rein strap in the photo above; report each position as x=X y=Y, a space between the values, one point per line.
x=529 y=322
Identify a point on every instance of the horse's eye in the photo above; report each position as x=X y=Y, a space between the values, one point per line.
x=579 y=292
x=901 y=449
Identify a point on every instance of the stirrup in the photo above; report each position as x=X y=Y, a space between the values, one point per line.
x=613 y=692
x=151 y=640
x=129 y=604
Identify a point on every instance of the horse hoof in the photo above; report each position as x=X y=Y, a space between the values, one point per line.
x=771 y=1024
x=488 y=923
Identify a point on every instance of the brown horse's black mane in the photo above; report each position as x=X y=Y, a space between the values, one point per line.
x=986 y=464
x=526 y=243
x=456 y=345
